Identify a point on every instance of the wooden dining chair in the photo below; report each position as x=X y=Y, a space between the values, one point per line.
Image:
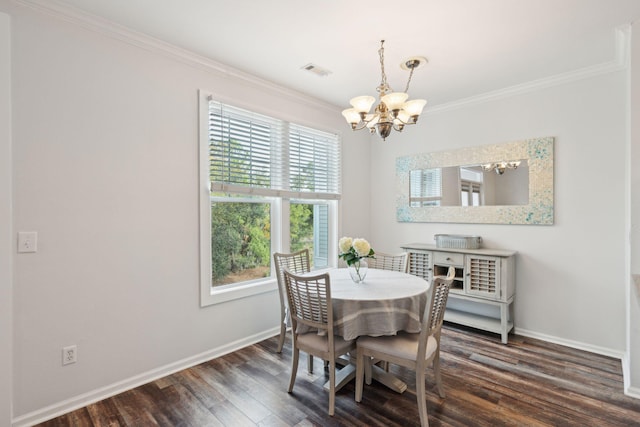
x=414 y=351
x=309 y=299
x=296 y=262
x=384 y=261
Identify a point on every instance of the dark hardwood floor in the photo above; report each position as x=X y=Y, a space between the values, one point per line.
x=525 y=383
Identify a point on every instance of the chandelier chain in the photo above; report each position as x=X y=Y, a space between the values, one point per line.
x=384 y=86
x=406 y=89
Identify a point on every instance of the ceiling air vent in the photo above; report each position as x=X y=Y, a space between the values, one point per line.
x=318 y=71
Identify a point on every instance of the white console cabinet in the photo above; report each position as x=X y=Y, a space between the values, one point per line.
x=484 y=282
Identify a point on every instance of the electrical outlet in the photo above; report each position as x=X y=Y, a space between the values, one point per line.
x=69 y=354
x=27 y=241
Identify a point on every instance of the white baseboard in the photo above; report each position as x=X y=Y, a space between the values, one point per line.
x=617 y=354
x=623 y=356
x=85 y=399
x=632 y=392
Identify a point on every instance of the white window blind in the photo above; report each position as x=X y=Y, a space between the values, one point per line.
x=425 y=186
x=470 y=187
x=251 y=153
x=467 y=174
x=314 y=160
x=240 y=146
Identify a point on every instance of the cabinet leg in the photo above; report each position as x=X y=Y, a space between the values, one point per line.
x=504 y=322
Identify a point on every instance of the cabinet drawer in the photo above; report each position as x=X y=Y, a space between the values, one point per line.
x=448 y=258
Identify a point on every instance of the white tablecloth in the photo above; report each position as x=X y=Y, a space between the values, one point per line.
x=385 y=303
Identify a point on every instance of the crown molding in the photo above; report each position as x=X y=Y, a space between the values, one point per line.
x=151 y=44
x=110 y=29
x=618 y=63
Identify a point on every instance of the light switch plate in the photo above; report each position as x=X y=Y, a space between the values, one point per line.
x=27 y=241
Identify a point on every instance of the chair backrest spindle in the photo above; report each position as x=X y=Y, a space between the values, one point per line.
x=296 y=262
x=394 y=262
x=434 y=317
x=308 y=300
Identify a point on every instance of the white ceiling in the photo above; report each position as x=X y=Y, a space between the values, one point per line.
x=473 y=46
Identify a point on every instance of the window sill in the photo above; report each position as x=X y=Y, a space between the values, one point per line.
x=217 y=296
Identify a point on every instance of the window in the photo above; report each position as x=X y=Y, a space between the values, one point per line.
x=240 y=246
x=309 y=228
x=268 y=186
x=469 y=193
x=470 y=187
x=425 y=187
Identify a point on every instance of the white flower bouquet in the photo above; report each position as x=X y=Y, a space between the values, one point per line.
x=352 y=251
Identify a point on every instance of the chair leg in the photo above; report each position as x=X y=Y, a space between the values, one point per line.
x=310 y=363
x=367 y=370
x=359 y=374
x=294 y=367
x=332 y=387
x=283 y=333
x=438 y=376
x=422 y=398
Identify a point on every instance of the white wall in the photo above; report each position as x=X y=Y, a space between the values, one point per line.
x=570 y=276
x=634 y=216
x=6 y=247
x=105 y=149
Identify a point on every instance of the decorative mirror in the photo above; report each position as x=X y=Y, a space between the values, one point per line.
x=508 y=183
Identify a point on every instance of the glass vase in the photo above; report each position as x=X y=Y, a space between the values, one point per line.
x=358 y=271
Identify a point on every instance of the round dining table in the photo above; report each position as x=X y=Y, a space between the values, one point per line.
x=385 y=303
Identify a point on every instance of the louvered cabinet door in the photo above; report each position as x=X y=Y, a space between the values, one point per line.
x=483 y=276
x=421 y=264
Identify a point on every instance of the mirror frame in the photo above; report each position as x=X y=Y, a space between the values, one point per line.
x=539 y=154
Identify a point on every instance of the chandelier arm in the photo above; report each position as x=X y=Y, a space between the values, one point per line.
x=363 y=124
x=403 y=123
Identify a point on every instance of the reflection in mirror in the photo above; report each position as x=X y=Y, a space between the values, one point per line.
x=490 y=184
x=510 y=183
x=425 y=187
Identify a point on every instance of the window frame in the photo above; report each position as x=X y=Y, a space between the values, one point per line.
x=470 y=181
x=468 y=189
x=280 y=218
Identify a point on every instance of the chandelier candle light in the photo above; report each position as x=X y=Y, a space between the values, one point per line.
x=393 y=111
x=352 y=251
x=500 y=167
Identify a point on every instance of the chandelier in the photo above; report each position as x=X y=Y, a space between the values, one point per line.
x=393 y=111
x=500 y=167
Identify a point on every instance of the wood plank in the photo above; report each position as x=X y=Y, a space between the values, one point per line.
x=527 y=382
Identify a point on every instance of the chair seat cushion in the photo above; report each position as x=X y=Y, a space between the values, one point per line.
x=403 y=345
x=321 y=342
